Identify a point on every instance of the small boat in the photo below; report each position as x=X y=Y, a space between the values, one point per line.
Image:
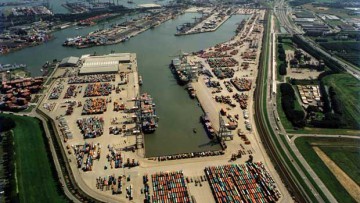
x=194 y=130
x=140 y=80
x=130 y=2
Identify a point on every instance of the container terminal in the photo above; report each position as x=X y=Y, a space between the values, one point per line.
x=107 y=140
x=118 y=33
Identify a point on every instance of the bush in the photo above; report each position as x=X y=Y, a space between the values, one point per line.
x=324 y=98
x=282 y=57
x=287 y=90
x=335 y=102
x=6 y=124
x=288 y=99
x=282 y=69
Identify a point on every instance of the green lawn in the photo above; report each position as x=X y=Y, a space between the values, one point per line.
x=288 y=46
x=347 y=158
x=36 y=178
x=304 y=145
x=348 y=89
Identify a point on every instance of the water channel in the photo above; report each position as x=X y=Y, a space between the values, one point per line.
x=155 y=48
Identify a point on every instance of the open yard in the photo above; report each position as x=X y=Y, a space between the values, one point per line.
x=305 y=146
x=348 y=90
x=36 y=178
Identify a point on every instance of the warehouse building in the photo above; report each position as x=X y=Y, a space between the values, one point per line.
x=105 y=64
x=71 y=61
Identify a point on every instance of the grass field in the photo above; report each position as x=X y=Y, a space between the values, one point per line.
x=288 y=44
x=348 y=90
x=304 y=145
x=36 y=179
x=347 y=158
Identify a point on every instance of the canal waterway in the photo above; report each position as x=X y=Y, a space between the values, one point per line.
x=155 y=48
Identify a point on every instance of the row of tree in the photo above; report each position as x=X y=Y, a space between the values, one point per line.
x=288 y=99
x=282 y=57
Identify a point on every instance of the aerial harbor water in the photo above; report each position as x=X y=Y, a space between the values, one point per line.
x=155 y=48
x=56 y=5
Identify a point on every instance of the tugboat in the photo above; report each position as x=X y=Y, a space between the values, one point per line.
x=140 y=80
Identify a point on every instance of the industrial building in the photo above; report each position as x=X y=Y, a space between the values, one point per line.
x=70 y=61
x=104 y=64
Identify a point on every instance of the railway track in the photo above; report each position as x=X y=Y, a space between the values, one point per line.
x=261 y=126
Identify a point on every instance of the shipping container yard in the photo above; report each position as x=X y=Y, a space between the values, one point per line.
x=169 y=187
x=249 y=182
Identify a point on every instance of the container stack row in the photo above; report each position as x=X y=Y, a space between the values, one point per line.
x=91 y=78
x=247 y=183
x=169 y=187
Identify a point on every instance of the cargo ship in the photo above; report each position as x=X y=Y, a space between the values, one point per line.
x=181 y=74
x=210 y=131
x=147 y=114
x=10 y=67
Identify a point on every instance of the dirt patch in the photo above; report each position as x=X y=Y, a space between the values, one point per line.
x=349 y=185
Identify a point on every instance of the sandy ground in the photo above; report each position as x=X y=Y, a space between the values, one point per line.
x=350 y=185
x=191 y=167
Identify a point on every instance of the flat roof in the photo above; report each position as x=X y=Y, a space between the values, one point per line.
x=99 y=69
x=70 y=60
x=103 y=64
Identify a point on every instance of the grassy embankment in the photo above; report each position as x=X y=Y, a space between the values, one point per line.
x=35 y=173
